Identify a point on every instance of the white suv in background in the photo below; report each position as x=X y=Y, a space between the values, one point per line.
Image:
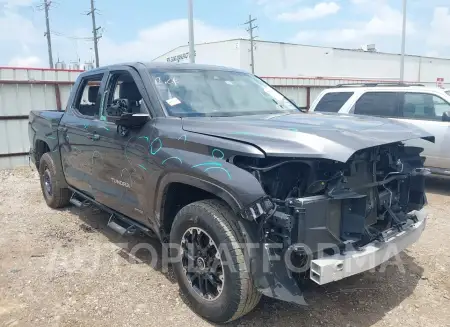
x=428 y=108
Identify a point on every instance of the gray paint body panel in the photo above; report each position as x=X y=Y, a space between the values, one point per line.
x=326 y=136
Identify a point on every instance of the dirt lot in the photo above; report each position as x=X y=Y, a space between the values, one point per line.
x=65 y=268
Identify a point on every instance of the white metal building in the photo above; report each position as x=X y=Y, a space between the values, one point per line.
x=276 y=59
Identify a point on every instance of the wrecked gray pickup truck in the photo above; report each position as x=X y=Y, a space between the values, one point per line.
x=250 y=194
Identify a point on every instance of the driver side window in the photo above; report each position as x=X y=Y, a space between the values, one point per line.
x=122 y=96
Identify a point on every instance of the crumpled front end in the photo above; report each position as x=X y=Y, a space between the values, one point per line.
x=327 y=220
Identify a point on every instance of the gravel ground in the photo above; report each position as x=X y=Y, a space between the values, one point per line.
x=65 y=268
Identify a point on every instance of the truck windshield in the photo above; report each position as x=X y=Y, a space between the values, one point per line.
x=215 y=93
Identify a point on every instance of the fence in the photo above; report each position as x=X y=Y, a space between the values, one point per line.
x=26 y=89
x=23 y=90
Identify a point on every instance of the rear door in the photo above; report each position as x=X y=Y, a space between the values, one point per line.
x=425 y=110
x=77 y=145
x=381 y=104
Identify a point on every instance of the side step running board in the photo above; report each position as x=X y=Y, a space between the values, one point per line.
x=130 y=230
x=117 y=222
x=77 y=203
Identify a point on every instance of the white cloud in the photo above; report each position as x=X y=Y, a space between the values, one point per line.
x=31 y=61
x=359 y=2
x=274 y=7
x=21 y=39
x=14 y=27
x=386 y=22
x=321 y=9
x=439 y=28
x=154 y=41
x=16 y=3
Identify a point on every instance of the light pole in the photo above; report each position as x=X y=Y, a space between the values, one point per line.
x=402 y=56
x=191 y=31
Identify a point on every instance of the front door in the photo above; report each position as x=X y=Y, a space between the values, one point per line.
x=124 y=153
x=425 y=111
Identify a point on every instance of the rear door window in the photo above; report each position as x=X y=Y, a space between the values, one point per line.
x=383 y=104
x=86 y=100
x=333 y=102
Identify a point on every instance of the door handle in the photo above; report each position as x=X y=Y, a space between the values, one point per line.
x=94 y=137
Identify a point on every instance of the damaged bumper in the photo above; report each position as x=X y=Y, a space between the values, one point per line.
x=277 y=276
x=346 y=219
x=332 y=268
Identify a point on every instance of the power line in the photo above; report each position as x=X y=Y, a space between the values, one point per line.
x=250 y=29
x=84 y=38
x=95 y=30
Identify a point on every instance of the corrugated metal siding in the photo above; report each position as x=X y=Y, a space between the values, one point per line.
x=23 y=90
x=15 y=132
x=65 y=93
x=11 y=162
x=298 y=94
x=19 y=99
x=35 y=74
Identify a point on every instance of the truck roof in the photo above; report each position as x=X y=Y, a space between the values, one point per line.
x=162 y=65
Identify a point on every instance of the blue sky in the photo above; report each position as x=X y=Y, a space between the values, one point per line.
x=144 y=29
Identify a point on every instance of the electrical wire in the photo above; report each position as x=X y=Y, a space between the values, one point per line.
x=384 y=185
x=85 y=38
x=265 y=219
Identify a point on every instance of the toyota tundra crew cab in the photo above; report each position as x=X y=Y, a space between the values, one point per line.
x=250 y=195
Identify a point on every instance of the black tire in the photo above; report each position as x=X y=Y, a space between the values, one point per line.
x=239 y=295
x=55 y=196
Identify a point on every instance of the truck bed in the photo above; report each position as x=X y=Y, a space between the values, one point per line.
x=43 y=129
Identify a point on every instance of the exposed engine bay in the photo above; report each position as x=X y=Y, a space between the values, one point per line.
x=315 y=201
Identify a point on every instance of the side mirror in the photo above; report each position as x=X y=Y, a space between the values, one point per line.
x=129 y=120
x=446 y=116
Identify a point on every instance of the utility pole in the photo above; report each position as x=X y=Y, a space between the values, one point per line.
x=191 y=32
x=250 y=29
x=95 y=30
x=402 y=56
x=47 y=4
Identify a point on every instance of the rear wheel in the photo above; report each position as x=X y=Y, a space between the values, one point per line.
x=55 y=196
x=211 y=269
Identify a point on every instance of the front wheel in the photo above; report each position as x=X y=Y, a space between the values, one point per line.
x=211 y=269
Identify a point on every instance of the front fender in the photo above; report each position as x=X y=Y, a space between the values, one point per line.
x=206 y=163
x=198 y=182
